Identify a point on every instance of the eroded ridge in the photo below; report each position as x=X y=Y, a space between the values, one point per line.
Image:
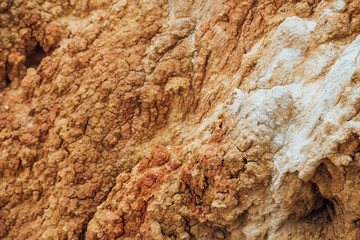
x=179 y=119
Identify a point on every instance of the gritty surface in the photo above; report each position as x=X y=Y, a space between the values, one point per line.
x=179 y=119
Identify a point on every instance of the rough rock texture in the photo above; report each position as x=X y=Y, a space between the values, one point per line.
x=169 y=119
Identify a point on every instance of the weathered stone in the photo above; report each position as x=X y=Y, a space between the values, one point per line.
x=179 y=119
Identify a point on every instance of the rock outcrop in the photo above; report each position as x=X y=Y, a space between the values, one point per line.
x=169 y=119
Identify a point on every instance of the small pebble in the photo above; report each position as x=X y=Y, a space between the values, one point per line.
x=6 y=107
x=191 y=31
x=196 y=53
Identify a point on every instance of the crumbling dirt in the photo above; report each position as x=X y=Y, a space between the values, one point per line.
x=117 y=121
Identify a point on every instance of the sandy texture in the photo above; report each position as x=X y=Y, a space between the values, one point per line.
x=170 y=119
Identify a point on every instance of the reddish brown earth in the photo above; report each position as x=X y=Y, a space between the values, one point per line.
x=169 y=119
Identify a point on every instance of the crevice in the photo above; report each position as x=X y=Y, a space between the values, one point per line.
x=7 y=80
x=34 y=59
x=357 y=222
x=326 y=211
x=83 y=232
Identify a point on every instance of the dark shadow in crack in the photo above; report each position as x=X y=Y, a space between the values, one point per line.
x=35 y=58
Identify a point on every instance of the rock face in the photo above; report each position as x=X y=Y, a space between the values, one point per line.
x=169 y=119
